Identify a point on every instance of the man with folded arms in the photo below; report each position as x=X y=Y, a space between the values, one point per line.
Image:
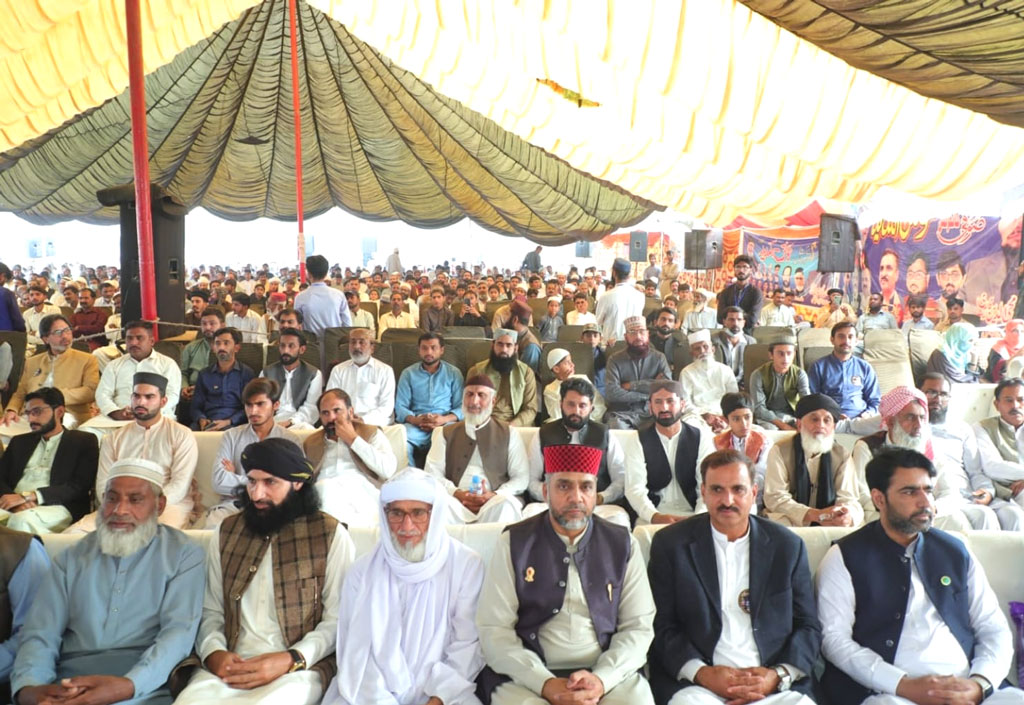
x=906 y=611
x=566 y=611
x=120 y=607
x=406 y=629
x=274 y=573
x=736 y=619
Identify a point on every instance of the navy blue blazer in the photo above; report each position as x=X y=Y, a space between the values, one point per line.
x=683 y=572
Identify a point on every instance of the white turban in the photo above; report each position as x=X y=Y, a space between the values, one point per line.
x=137 y=467
x=556 y=355
x=700 y=336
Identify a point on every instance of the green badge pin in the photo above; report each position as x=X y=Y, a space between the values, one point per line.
x=945 y=580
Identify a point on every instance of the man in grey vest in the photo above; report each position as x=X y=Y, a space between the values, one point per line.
x=566 y=612
x=480 y=460
x=23 y=565
x=576 y=426
x=1001 y=441
x=300 y=382
x=932 y=631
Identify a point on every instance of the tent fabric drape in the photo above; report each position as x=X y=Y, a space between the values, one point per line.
x=969 y=54
x=376 y=141
x=705 y=107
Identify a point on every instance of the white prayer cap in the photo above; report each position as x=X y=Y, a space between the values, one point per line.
x=110 y=282
x=700 y=336
x=409 y=484
x=569 y=288
x=365 y=274
x=499 y=332
x=520 y=287
x=555 y=298
x=137 y=467
x=556 y=355
x=705 y=293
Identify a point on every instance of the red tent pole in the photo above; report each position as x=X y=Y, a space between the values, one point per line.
x=298 y=140
x=140 y=158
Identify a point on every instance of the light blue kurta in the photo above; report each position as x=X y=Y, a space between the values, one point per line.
x=95 y=614
x=420 y=392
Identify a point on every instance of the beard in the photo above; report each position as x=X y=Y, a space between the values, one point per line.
x=360 y=358
x=503 y=365
x=874 y=309
x=665 y=419
x=638 y=350
x=937 y=415
x=125 y=543
x=907 y=525
x=414 y=553
x=572 y=524
x=264 y=522
x=287 y=359
x=146 y=414
x=663 y=330
x=45 y=428
x=477 y=419
x=902 y=439
x=574 y=421
x=816 y=444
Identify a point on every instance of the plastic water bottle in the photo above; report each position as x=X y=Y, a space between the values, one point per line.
x=476 y=486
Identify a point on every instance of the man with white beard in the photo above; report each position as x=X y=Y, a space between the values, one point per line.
x=369 y=382
x=406 y=625
x=124 y=602
x=706 y=380
x=808 y=481
x=959 y=460
x=480 y=460
x=904 y=412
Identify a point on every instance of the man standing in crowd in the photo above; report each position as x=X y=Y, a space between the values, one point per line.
x=120 y=607
x=300 y=382
x=623 y=302
x=705 y=380
x=411 y=603
x=428 y=396
x=46 y=476
x=260 y=402
x=736 y=619
x=662 y=487
x=369 y=382
x=274 y=574
x=669 y=273
x=10 y=312
x=480 y=460
x=516 y=401
x=934 y=631
x=74 y=372
x=630 y=373
x=351 y=460
x=850 y=382
x=741 y=293
x=531 y=262
x=217 y=397
x=322 y=307
x=777 y=386
x=582 y=638
x=808 y=481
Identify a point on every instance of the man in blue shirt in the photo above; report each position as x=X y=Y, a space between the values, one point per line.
x=429 y=395
x=322 y=307
x=10 y=312
x=849 y=380
x=217 y=399
x=24 y=559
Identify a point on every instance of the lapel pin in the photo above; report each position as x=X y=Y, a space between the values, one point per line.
x=945 y=580
x=530 y=572
x=609 y=592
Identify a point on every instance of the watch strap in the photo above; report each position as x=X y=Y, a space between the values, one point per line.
x=298 y=661
x=986 y=685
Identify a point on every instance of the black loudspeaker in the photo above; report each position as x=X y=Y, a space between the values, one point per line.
x=638 y=246
x=582 y=248
x=836 y=243
x=703 y=249
x=168 y=255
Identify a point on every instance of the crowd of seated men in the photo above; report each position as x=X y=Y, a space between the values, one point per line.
x=101 y=444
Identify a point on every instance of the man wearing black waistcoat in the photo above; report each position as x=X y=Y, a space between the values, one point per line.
x=906 y=611
x=565 y=613
x=736 y=619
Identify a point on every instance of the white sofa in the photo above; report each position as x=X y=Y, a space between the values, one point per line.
x=1000 y=553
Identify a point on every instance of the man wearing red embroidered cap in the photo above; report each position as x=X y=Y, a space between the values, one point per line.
x=566 y=612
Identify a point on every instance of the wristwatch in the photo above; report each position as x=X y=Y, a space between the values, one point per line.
x=29 y=495
x=298 y=661
x=985 y=683
x=785 y=679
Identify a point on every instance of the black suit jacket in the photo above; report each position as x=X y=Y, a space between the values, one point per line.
x=684 y=580
x=751 y=302
x=72 y=474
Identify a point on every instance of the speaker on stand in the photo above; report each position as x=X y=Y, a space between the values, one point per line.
x=168 y=255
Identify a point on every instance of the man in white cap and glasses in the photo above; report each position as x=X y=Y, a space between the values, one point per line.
x=406 y=626
x=561 y=364
x=120 y=608
x=621 y=303
x=701 y=315
x=705 y=381
x=629 y=374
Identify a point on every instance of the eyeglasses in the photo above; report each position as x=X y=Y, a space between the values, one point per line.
x=36 y=410
x=932 y=394
x=397 y=516
x=60 y=331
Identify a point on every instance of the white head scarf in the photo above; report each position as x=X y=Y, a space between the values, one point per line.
x=396 y=635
